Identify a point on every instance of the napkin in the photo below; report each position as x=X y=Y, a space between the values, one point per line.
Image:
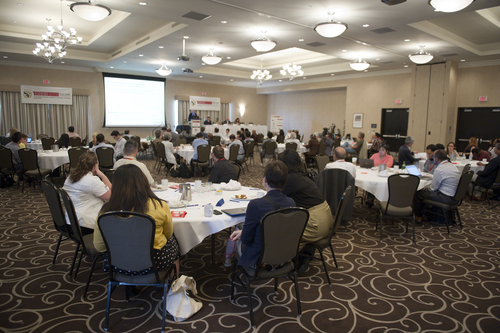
x=220 y=203
x=383 y=174
x=232 y=185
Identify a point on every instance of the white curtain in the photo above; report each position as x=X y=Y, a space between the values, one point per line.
x=184 y=111
x=49 y=119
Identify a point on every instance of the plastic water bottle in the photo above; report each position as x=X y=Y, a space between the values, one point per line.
x=403 y=166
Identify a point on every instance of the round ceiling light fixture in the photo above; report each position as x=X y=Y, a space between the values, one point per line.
x=421 y=57
x=263 y=44
x=359 y=65
x=331 y=28
x=164 y=70
x=211 y=58
x=449 y=6
x=90 y=11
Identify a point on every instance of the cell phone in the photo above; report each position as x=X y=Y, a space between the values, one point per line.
x=217 y=212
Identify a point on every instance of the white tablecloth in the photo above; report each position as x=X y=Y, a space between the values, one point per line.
x=187 y=152
x=460 y=165
x=36 y=145
x=51 y=160
x=369 y=180
x=300 y=149
x=235 y=128
x=195 y=227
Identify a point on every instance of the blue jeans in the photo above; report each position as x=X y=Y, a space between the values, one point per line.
x=347 y=149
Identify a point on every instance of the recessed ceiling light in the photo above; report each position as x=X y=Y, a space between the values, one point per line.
x=142 y=3
x=405 y=65
x=332 y=74
x=223 y=22
x=5 y=57
x=141 y=55
x=124 y=62
x=228 y=57
x=304 y=78
x=407 y=40
x=377 y=59
x=366 y=25
x=160 y=47
x=462 y=60
x=186 y=37
x=14 y=21
x=203 y=64
x=62 y=62
x=20 y=4
x=301 y=40
x=111 y=67
x=201 y=76
x=280 y=80
x=232 y=80
x=344 y=50
x=365 y=70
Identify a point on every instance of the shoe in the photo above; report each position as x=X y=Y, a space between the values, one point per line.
x=438 y=223
x=227 y=260
x=475 y=198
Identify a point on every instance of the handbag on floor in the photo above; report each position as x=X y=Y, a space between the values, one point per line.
x=179 y=304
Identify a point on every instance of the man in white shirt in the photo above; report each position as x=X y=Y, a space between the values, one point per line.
x=120 y=143
x=340 y=163
x=293 y=139
x=130 y=152
x=444 y=184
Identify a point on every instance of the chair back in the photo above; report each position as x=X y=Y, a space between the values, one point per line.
x=260 y=138
x=332 y=183
x=270 y=147
x=322 y=147
x=74 y=156
x=6 y=159
x=340 y=212
x=181 y=141
x=129 y=239
x=249 y=149
x=402 y=189
x=56 y=210
x=466 y=168
x=47 y=143
x=281 y=231
x=29 y=158
x=203 y=153
x=280 y=139
x=215 y=141
x=336 y=143
x=105 y=157
x=233 y=153
x=73 y=219
x=463 y=185
x=322 y=161
x=238 y=171
x=109 y=174
x=75 y=142
x=291 y=146
x=4 y=140
x=160 y=150
x=137 y=139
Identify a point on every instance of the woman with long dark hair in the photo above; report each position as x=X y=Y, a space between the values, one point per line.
x=131 y=192
x=63 y=141
x=87 y=187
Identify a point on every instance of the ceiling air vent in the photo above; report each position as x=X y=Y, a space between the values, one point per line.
x=449 y=55
x=315 y=44
x=196 y=16
x=382 y=30
x=388 y=62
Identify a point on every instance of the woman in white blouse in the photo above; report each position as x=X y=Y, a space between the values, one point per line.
x=87 y=187
x=169 y=150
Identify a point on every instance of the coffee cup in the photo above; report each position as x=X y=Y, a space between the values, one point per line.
x=354 y=160
x=484 y=160
x=164 y=183
x=197 y=184
x=396 y=167
x=260 y=194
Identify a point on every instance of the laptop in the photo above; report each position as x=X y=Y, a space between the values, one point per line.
x=366 y=162
x=413 y=170
x=28 y=140
x=235 y=211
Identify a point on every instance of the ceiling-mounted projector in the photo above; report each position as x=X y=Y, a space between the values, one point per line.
x=393 y=2
x=183 y=58
x=187 y=70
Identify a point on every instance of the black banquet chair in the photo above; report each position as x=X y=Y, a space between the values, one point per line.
x=31 y=169
x=281 y=231
x=105 y=156
x=129 y=239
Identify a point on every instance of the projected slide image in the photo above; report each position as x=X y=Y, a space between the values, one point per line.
x=134 y=102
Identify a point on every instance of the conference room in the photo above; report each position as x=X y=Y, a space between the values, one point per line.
x=439 y=282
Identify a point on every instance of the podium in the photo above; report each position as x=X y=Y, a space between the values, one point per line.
x=195 y=126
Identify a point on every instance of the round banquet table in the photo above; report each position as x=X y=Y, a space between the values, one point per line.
x=235 y=128
x=192 y=229
x=36 y=145
x=300 y=149
x=188 y=152
x=52 y=160
x=369 y=180
x=460 y=164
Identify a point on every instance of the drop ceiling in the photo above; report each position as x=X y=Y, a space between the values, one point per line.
x=138 y=39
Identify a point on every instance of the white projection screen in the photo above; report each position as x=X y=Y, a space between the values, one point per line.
x=133 y=101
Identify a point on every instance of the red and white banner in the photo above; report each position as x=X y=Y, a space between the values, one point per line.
x=46 y=95
x=276 y=123
x=204 y=103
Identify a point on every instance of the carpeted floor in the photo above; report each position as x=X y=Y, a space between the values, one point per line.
x=442 y=284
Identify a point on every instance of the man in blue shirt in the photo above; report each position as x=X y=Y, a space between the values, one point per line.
x=197 y=142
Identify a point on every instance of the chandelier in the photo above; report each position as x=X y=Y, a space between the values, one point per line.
x=449 y=6
x=421 y=57
x=164 y=70
x=211 y=58
x=261 y=75
x=292 y=71
x=263 y=44
x=90 y=11
x=331 y=28
x=359 y=65
x=54 y=42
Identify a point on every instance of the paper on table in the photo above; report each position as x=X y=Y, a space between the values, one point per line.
x=383 y=174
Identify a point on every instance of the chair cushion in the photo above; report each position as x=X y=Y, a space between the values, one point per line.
x=437 y=204
x=140 y=279
x=395 y=211
x=265 y=274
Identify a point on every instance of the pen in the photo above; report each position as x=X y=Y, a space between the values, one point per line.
x=191 y=205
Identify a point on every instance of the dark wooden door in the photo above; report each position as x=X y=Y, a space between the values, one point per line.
x=394 y=128
x=482 y=123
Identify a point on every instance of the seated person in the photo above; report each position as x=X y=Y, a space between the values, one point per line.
x=262 y=150
x=202 y=131
x=169 y=150
x=126 y=134
x=87 y=187
x=440 y=146
x=472 y=144
x=63 y=141
x=174 y=136
x=197 y=142
x=430 y=165
x=237 y=141
x=444 y=185
x=340 y=163
x=405 y=154
x=249 y=239
x=93 y=142
x=71 y=132
x=157 y=137
x=451 y=151
x=313 y=146
x=207 y=121
x=486 y=177
x=383 y=157
x=293 y=139
x=329 y=145
x=130 y=152
x=100 y=142
x=14 y=148
x=132 y=193
x=306 y=194
x=491 y=149
x=478 y=154
x=223 y=170
x=288 y=135
x=120 y=143
x=355 y=147
x=24 y=141
x=376 y=143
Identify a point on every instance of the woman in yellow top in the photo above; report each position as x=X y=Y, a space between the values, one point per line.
x=131 y=192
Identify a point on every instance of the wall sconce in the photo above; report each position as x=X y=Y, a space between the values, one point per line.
x=242 y=110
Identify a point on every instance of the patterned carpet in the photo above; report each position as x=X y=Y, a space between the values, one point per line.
x=442 y=284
